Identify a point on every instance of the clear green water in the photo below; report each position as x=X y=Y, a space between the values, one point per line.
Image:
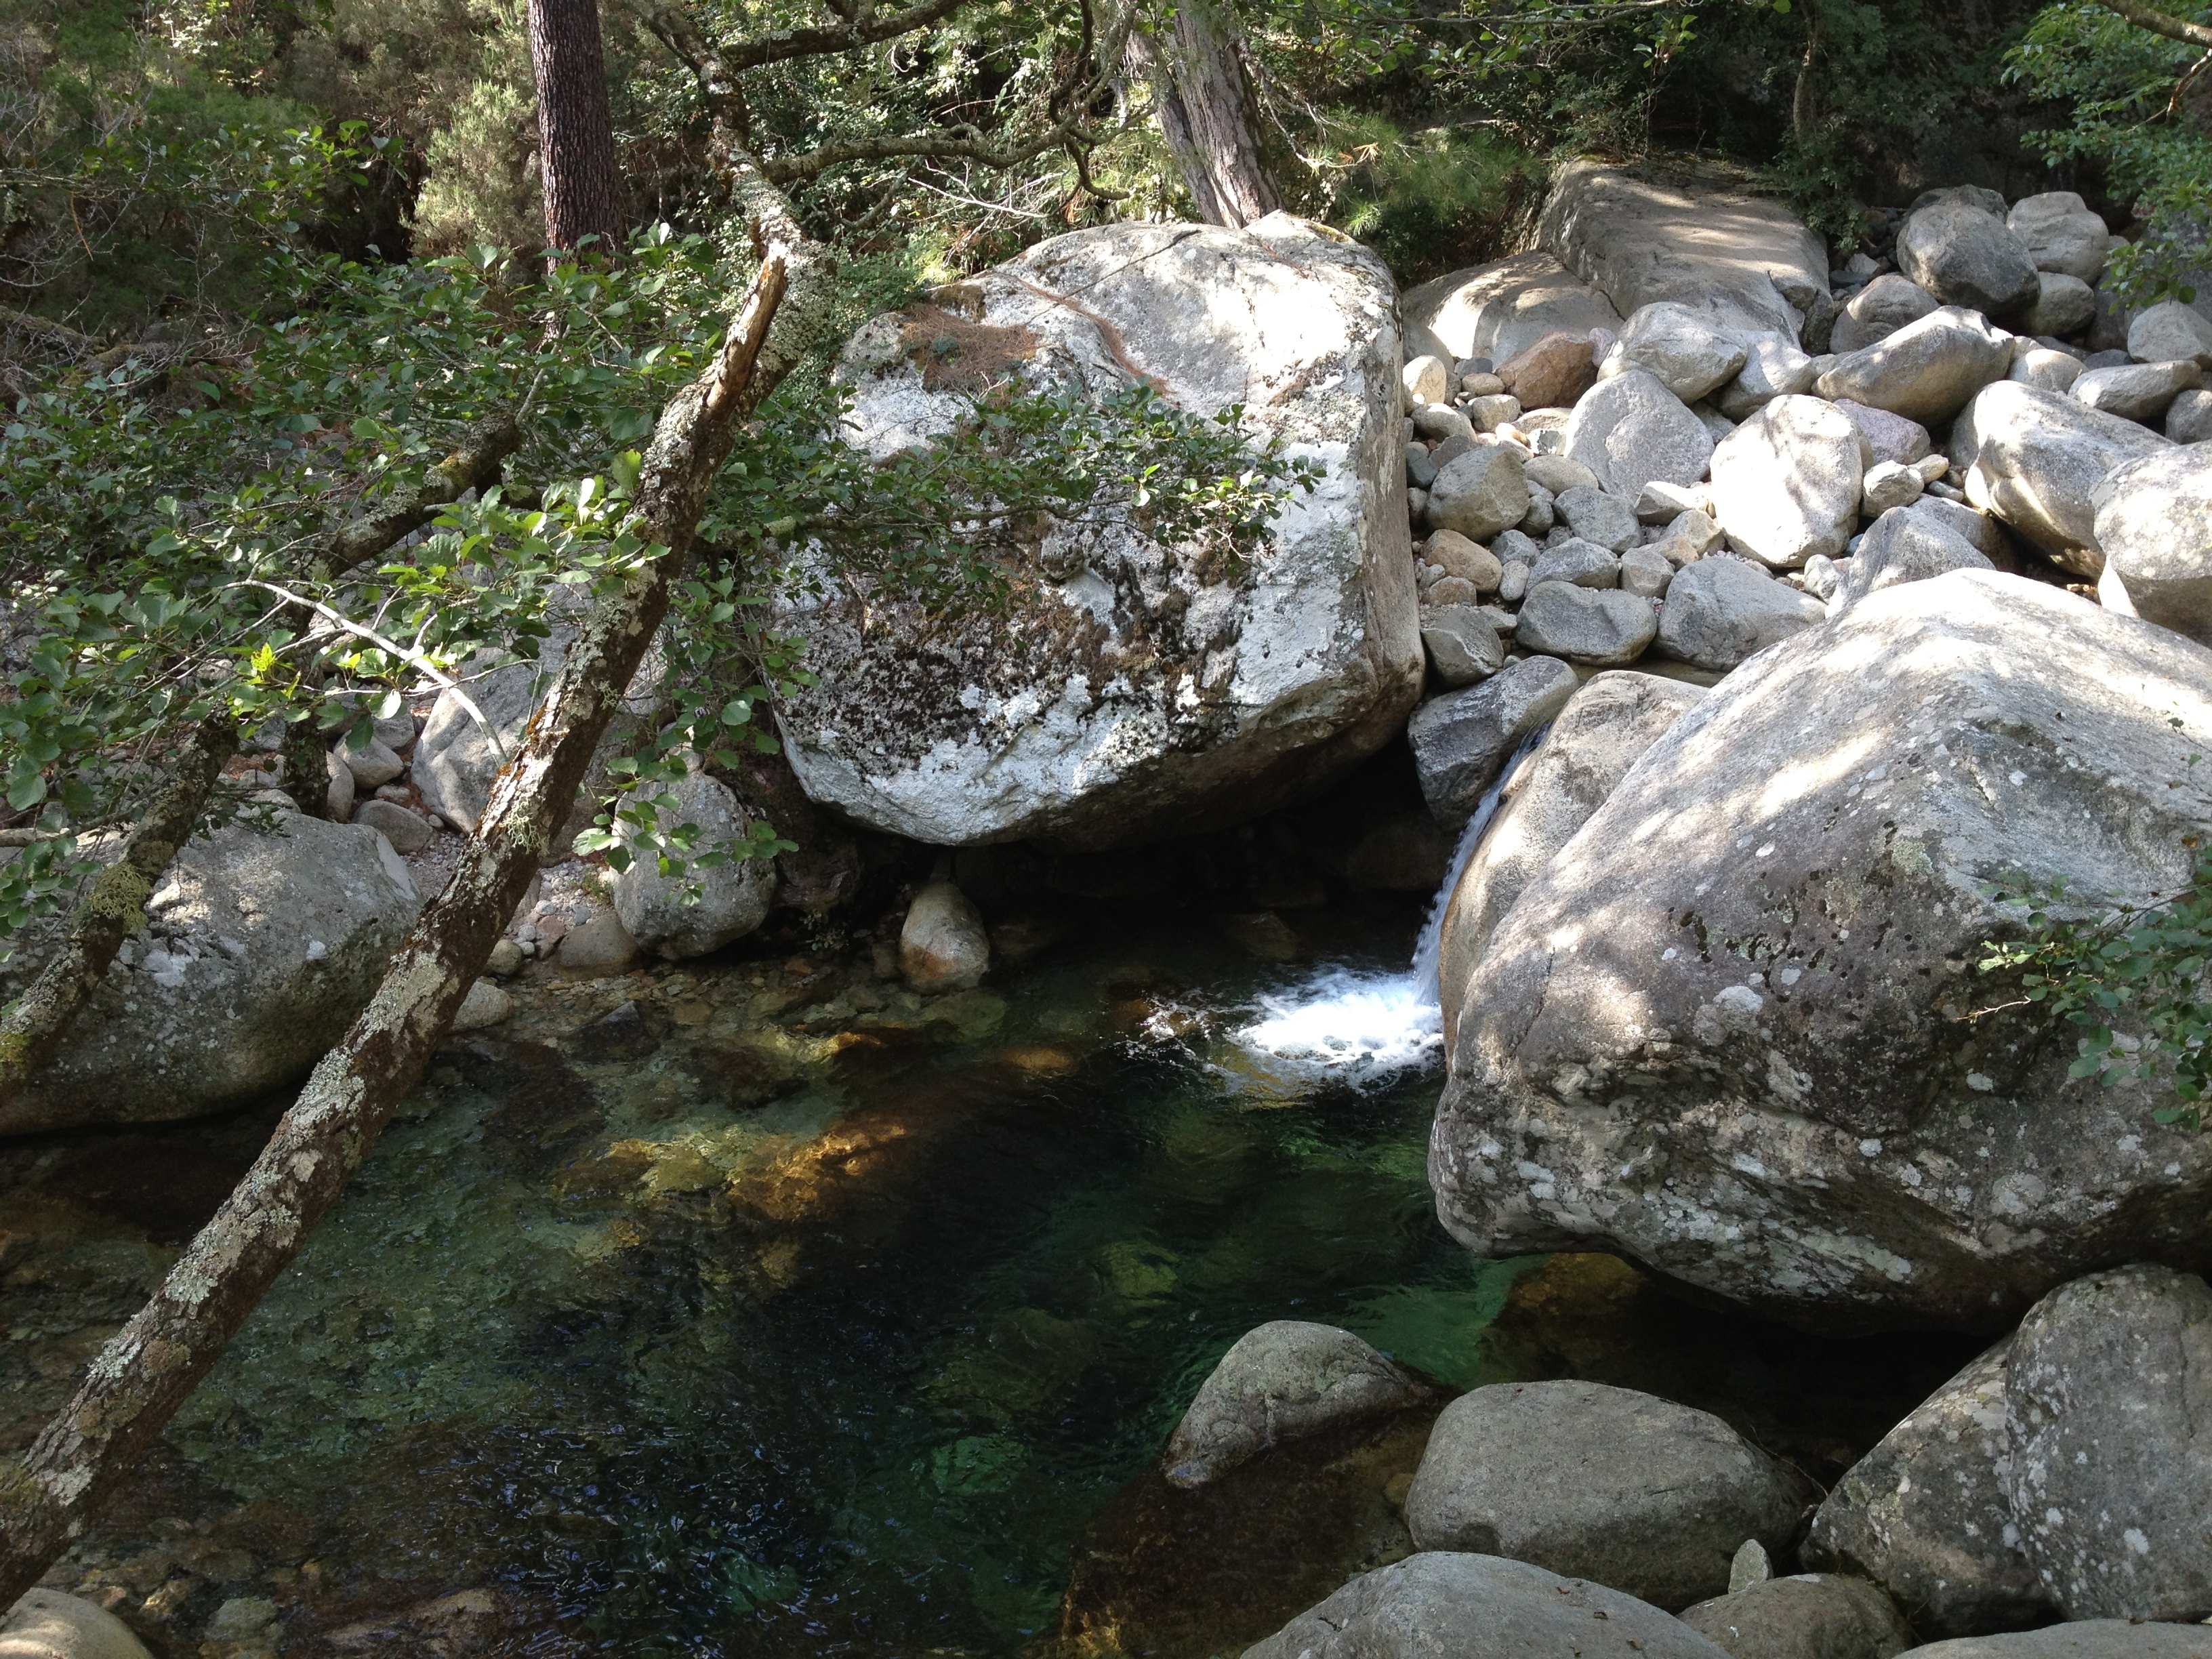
x=766 y=1319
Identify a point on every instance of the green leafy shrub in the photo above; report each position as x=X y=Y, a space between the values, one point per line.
x=1432 y=201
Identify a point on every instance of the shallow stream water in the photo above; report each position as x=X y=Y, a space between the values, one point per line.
x=763 y=1308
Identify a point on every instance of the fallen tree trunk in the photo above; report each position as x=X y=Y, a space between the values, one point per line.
x=111 y=911
x=136 y=1383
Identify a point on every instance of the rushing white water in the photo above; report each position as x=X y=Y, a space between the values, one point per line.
x=1362 y=1026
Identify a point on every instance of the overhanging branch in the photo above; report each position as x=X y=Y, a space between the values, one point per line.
x=2161 y=22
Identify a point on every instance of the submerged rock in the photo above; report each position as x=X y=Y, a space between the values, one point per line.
x=1805 y=1616
x=2108 y=1389
x=1637 y=1493
x=1724 y=1031
x=48 y=1625
x=1129 y=688
x=1282 y=1381
x=260 y=951
x=1448 y=1605
x=942 y=944
x=1926 y=1514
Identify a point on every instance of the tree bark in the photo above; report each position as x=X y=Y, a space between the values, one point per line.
x=110 y=913
x=135 y=1385
x=1206 y=112
x=2162 y=22
x=575 y=124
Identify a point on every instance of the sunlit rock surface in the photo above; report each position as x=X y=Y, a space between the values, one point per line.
x=1131 y=689
x=1735 y=1029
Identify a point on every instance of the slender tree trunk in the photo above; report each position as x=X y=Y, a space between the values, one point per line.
x=575 y=124
x=1805 y=96
x=136 y=1383
x=110 y=913
x=1206 y=112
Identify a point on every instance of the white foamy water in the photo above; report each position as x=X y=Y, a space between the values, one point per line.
x=1367 y=1027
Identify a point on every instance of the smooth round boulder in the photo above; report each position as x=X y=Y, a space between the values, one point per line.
x=1720 y=611
x=1966 y=256
x=1906 y=546
x=2135 y=391
x=1681 y=349
x=1462 y=739
x=1481 y=491
x=1284 y=1380
x=943 y=944
x=2171 y=331
x=2153 y=526
x=2064 y=306
x=48 y=1625
x=2092 y=1638
x=1878 y=310
x=1596 y=627
x=2188 y=417
x=2061 y=234
x=1584 y=564
x=2034 y=458
x=1462 y=643
x=1596 y=516
x=1804 y=1616
x=1630 y=429
x=1635 y=1492
x=1452 y=1604
x=1787 y=483
x=1926 y=371
x=2108 y=1387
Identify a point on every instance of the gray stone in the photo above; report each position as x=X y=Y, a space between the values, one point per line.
x=506 y=959
x=408 y=832
x=701 y=908
x=1462 y=646
x=1584 y=564
x=1975 y=196
x=1286 y=1380
x=1681 y=349
x=371 y=764
x=1926 y=1515
x=1966 y=256
x=1539 y=519
x=48 y=1625
x=1603 y=730
x=2171 y=331
x=2108 y=1389
x=1426 y=381
x=2060 y=234
x=1452 y=1604
x=1720 y=611
x=2188 y=417
x=1824 y=577
x=2033 y=458
x=1457 y=555
x=1772 y=368
x=2053 y=371
x=337 y=795
x=2136 y=392
x=1977 y=529
x=1558 y=474
x=1689 y=537
x=1889 y=437
x=1694 y=235
x=1660 y=503
x=1907 y=546
x=600 y=944
x=1630 y=430
x=943 y=944
x=1597 y=627
x=1481 y=492
x=1437 y=421
x=1646 y=572
x=1499 y=310
x=1462 y=739
x=259 y=953
x=1807 y=1616
x=1771 y=926
x=1786 y=483
x=1878 y=310
x=1153 y=688
x=485 y=1006
x=2153 y=526
x=1596 y=516
x=1749 y=1565
x=1926 y=371
x=1489 y=413
x=2064 y=306
x=1888 y=484
x=2098 y=1638
x=1637 y=1493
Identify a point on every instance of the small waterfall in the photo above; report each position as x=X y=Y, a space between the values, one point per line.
x=1367 y=1027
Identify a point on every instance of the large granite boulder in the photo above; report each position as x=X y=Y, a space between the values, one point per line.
x=1691 y=235
x=1683 y=348
x=1728 y=1031
x=1127 y=689
x=2153 y=526
x=1967 y=255
x=1603 y=730
x=1786 y=483
x=1630 y=431
x=1805 y=1616
x=1926 y=370
x=2061 y=234
x=2035 y=458
x=1282 y=1381
x=259 y=950
x=1499 y=310
x=1596 y=627
x=2108 y=1391
x=1926 y=1514
x=1451 y=1605
x=1638 y=1493
x=2093 y=1638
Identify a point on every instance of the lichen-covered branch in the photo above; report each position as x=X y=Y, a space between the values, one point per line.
x=112 y=908
x=2161 y=22
x=475 y=465
x=136 y=1383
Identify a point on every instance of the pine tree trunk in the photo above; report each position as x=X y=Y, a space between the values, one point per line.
x=575 y=124
x=1206 y=112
